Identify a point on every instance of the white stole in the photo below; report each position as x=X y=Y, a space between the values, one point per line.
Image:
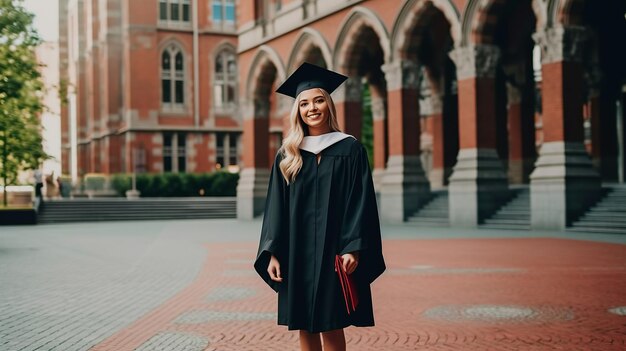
x=317 y=144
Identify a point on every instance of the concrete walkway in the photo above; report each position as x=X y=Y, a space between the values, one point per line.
x=189 y=285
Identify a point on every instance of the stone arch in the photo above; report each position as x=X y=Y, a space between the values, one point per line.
x=264 y=56
x=480 y=19
x=509 y=26
x=223 y=45
x=172 y=40
x=424 y=33
x=415 y=11
x=309 y=38
x=358 y=18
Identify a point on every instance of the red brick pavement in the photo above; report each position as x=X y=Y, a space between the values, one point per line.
x=448 y=294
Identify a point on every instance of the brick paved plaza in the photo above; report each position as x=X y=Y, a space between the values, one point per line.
x=189 y=286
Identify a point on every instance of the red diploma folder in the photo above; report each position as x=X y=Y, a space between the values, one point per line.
x=348 y=286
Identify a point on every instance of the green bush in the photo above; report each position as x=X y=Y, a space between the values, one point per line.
x=179 y=184
x=66 y=185
x=121 y=183
x=95 y=181
x=173 y=185
x=224 y=184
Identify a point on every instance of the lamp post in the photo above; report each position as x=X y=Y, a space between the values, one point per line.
x=138 y=166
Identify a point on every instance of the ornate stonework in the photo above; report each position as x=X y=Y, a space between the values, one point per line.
x=350 y=91
x=284 y=104
x=476 y=61
x=402 y=75
x=378 y=109
x=431 y=105
x=261 y=108
x=247 y=110
x=562 y=44
x=430 y=99
x=513 y=94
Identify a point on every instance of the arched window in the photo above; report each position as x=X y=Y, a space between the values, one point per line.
x=174 y=10
x=172 y=77
x=225 y=79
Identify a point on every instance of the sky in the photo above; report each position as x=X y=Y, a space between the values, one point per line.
x=46 y=17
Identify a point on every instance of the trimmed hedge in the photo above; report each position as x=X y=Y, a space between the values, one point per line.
x=178 y=184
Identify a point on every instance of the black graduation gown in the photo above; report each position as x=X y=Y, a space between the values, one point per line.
x=330 y=209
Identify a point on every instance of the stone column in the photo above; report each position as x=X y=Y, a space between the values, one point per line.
x=592 y=78
x=404 y=186
x=478 y=184
x=347 y=99
x=380 y=140
x=564 y=182
x=621 y=129
x=431 y=106
x=521 y=124
x=254 y=177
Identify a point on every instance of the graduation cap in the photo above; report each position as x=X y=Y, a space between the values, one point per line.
x=309 y=76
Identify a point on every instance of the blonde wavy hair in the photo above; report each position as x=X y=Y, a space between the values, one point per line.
x=292 y=159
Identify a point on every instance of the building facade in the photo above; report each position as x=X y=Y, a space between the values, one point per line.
x=48 y=53
x=473 y=96
x=149 y=86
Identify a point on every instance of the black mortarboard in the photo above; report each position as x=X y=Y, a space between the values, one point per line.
x=309 y=76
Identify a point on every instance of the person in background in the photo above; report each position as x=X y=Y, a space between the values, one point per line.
x=39 y=185
x=59 y=186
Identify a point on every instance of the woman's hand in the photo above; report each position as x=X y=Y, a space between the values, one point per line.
x=274 y=269
x=350 y=261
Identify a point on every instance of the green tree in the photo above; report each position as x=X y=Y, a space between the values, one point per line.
x=20 y=93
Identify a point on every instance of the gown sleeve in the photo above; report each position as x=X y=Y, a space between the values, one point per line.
x=361 y=225
x=275 y=224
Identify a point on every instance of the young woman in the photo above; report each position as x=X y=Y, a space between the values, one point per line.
x=320 y=217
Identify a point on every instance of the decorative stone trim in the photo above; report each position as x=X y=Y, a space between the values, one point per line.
x=476 y=61
x=402 y=75
x=247 y=110
x=378 y=109
x=430 y=99
x=431 y=105
x=513 y=94
x=350 y=91
x=516 y=78
x=562 y=44
x=261 y=108
x=284 y=105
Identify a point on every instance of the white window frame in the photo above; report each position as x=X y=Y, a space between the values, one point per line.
x=225 y=151
x=173 y=76
x=222 y=22
x=180 y=4
x=174 y=152
x=224 y=79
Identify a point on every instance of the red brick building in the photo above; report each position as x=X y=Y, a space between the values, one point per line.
x=152 y=86
x=474 y=96
x=470 y=97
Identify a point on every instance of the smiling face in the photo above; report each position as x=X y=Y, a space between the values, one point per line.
x=314 y=111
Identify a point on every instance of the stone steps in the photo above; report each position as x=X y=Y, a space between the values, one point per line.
x=112 y=209
x=434 y=213
x=608 y=216
x=513 y=215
